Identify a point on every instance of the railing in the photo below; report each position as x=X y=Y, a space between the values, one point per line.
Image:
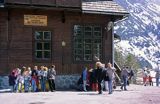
x=64 y=3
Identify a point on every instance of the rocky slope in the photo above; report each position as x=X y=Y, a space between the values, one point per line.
x=140 y=32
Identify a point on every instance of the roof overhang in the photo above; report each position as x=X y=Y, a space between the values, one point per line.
x=117 y=38
x=106 y=13
x=104 y=7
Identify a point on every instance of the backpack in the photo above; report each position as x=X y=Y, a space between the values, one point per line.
x=106 y=76
x=131 y=73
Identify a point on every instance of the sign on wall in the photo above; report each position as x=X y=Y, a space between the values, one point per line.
x=35 y=20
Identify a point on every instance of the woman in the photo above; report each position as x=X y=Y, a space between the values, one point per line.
x=27 y=79
x=43 y=78
x=94 y=80
x=51 y=78
x=99 y=76
x=110 y=72
x=19 y=81
x=34 y=79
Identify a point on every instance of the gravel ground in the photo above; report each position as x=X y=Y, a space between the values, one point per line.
x=136 y=94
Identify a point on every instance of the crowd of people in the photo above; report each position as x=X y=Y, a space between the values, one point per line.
x=32 y=80
x=103 y=78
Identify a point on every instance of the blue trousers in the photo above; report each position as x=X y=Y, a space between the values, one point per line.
x=26 y=85
x=34 y=86
x=157 y=81
x=43 y=83
x=124 y=81
x=16 y=85
x=110 y=87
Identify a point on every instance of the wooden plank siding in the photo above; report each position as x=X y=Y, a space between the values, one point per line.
x=63 y=3
x=16 y=50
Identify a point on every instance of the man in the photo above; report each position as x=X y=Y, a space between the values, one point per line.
x=124 y=78
x=51 y=78
x=131 y=75
x=84 y=77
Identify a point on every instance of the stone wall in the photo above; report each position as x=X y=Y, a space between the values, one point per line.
x=63 y=82
x=4 y=82
x=67 y=81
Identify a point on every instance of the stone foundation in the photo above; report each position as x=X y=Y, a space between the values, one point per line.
x=67 y=81
x=4 y=83
x=63 y=82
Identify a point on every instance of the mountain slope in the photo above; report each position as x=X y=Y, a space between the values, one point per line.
x=141 y=31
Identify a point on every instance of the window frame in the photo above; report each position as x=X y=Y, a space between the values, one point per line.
x=34 y=44
x=92 y=43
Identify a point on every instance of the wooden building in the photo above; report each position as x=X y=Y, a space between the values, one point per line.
x=67 y=33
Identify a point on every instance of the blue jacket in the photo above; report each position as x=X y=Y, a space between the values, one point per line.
x=84 y=74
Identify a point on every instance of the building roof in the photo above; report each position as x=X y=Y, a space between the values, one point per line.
x=116 y=36
x=103 y=7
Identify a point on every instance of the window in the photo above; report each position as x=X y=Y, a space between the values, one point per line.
x=87 y=42
x=42 y=44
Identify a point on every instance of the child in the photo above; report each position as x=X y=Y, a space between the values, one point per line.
x=27 y=78
x=150 y=80
x=19 y=81
x=33 y=82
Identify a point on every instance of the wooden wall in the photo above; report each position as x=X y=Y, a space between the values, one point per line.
x=65 y=3
x=3 y=42
x=16 y=39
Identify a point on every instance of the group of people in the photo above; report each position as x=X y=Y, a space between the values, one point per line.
x=34 y=80
x=147 y=77
x=98 y=79
x=103 y=78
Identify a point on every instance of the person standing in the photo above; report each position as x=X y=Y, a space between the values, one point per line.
x=157 y=73
x=39 y=78
x=145 y=75
x=131 y=75
x=51 y=78
x=19 y=81
x=93 y=80
x=150 y=80
x=124 y=78
x=106 y=79
x=84 y=78
x=34 y=79
x=27 y=79
x=157 y=77
x=43 y=78
x=110 y=73
x=12 y=79
x=99 y=76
